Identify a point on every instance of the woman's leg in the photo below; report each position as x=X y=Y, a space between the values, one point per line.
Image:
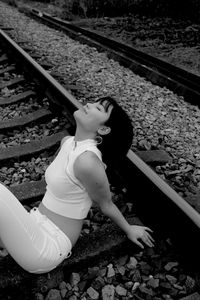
x=22 y=237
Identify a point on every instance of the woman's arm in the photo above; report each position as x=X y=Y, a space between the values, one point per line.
x=89 y=170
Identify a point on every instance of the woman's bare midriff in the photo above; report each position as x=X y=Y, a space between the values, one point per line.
x=71 y=227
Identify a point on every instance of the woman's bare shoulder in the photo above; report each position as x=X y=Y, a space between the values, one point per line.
x=88 y=162
x=89 y=169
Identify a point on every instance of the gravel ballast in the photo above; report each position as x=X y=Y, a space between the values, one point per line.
x=161 y=120
x=30 y=133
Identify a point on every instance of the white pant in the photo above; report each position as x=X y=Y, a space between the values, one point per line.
x=34 y=241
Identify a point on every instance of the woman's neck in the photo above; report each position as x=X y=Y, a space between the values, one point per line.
x=81 y=135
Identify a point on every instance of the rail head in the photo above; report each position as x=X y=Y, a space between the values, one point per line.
x=53 y=87
x=171 y=194
x=152 y=68
x=58 y=91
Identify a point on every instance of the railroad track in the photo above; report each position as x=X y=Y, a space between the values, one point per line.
x=162 y=74
x=164 y=202
x=22 y=155
x=157 y=71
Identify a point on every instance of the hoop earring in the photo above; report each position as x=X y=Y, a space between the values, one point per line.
x=99 y=139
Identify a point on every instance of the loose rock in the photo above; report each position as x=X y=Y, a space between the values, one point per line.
x=93 y=293
x=108 y=292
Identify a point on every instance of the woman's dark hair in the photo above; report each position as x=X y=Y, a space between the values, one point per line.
x=116 y=144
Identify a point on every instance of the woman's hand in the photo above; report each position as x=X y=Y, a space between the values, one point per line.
x=136 y=233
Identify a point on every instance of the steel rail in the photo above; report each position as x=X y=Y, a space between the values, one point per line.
x=156 y=70
x=63 y=94
x=141 y=180
x=60 y=92
x=165 y=188
x=191 y=84
x=52 y=87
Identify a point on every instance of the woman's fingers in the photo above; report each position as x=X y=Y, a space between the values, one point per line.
x=150 y=237
x=147 y=239
x=139 y=244
x=148 y=243
x=148 y=229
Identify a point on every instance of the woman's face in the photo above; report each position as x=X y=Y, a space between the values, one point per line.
x=92 y=115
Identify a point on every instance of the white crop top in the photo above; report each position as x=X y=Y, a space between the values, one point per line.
x=65 y=195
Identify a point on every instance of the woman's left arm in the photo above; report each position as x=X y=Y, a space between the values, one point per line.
x=91 y=173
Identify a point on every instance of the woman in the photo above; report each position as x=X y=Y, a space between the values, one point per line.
x=43 y=238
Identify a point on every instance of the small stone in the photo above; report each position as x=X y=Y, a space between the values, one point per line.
x=145 y=278
x=74 y=279
x=102 y=272
x=183 y=292
x=98 y=283
x=154 y=283
x=122 y=260
x=139 y=255
x=109 y=280
x=173 y=292
x=82 y=285
x=63 y=292
x=146 y=290
x=189 y=283
x=93 y=293
x=194 y=296
x=171 y=279
x=120 y=290
x=62 y=285
x=135 y=286
x=87 y=223
x=145 y=268
x=170 y=265
x=132 y=263
x=108 y=292
x=38 y=296
x=165 y=285
x=111 y=271
x=68 y=286
x=75 y=288
x=53 y=294
x=38 y=160
x=121 y=269
x=93 y=272
x=160 y=276
x=167 y=297
x=136 y=275
x=54 y=120
x=178 y=287
x=46 y=132
x=128 y=285
x=73 y=297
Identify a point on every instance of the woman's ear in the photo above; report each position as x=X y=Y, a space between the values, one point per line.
x=103 y=130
